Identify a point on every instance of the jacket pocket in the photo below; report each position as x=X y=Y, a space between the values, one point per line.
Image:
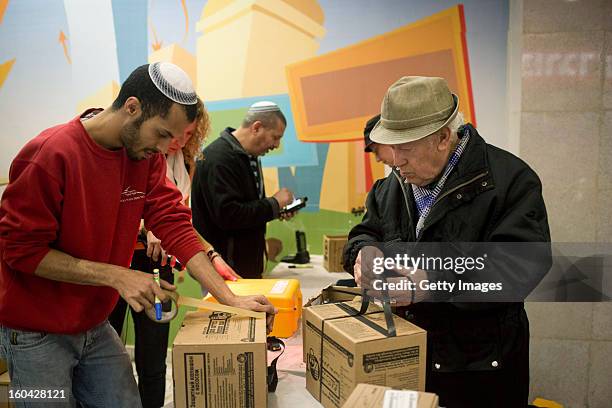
x=469 y=344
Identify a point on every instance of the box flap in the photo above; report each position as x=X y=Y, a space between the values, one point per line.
x=373 y=326
x=336 y=237
x=334 y=294
x=317 y=313
x=220 y=328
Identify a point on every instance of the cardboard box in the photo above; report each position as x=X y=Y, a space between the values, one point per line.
x=285 y=294
x=3 y=366
x=332 y=252
x=342 y=350
x=5 y=382
x=334 y=294
x=373 y=396
x=219 y=360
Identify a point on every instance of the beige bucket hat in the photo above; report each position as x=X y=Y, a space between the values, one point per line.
x=414 y=107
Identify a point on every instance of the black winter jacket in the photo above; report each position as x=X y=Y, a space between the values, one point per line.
x=491 y=196
x=227 y=210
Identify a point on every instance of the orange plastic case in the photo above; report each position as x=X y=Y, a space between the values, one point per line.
x=285 y=294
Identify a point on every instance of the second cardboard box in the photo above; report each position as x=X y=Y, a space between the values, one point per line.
x=342 y=350
x=219 y=360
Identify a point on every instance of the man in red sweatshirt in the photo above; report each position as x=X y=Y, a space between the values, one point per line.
x=69 y=219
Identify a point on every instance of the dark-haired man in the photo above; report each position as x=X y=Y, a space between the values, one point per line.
x=68 y=223
x=230 y=207
x=382 y=152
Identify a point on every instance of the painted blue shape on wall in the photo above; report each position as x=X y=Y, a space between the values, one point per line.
x=294 y=152
x=287 y=180
x=307 y=180
x=130 y=18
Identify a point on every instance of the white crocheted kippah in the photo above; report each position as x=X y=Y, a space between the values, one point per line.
x=264 y=106
x=173 y=82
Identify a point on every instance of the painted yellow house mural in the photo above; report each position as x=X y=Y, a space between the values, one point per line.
x=244 y=46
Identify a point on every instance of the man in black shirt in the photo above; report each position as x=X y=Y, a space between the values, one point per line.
x=229 y=203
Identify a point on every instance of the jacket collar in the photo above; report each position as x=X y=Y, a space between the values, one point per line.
x=473 y=166
x=473 y=160
x=227 y=135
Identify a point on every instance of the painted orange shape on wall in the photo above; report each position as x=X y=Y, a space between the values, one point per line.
x=334 y=94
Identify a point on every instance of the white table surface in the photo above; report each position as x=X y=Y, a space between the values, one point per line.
x=291 y=390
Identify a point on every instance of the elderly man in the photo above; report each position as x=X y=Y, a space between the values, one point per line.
x=454 y=187
x=68 y=225
x=230 y=207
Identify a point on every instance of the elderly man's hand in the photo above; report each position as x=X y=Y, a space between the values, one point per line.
x=359 y=268
x=400 y=297
x=372 y=275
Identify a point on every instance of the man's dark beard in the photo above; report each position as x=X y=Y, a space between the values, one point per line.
x=130 y=136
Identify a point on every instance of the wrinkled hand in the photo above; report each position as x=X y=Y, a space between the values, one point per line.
x=359 y=269
x=257 y=303
x=402 y=284
x=396 y=297
x=139 y=289
x=284 y=197
x=224 y=270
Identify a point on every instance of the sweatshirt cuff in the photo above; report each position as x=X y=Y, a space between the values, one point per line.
x=185 y=254
x=275 y=207
x=29 y=264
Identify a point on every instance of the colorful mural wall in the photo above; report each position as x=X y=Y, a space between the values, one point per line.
x=327 y=64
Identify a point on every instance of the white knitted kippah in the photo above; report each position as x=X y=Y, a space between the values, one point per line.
x=173 y=82
x=264 y=106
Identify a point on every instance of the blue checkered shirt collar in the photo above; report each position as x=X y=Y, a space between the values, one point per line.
x=425 y=197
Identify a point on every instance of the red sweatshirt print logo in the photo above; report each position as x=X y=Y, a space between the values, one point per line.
x=129 y=194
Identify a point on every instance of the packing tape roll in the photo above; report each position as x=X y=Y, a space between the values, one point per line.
x=178 y=300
